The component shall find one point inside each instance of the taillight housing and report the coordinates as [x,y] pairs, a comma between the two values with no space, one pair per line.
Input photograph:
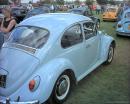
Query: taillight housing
[119,25]
[34,83]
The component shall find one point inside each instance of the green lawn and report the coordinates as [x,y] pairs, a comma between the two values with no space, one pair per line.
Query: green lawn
[108,84]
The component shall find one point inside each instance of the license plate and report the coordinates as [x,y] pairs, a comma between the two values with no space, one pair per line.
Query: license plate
[3,81]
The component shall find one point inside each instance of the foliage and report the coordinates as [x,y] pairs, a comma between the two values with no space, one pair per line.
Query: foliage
[3,2]
[102,1]
[77,2]
[60,2]
[89,2]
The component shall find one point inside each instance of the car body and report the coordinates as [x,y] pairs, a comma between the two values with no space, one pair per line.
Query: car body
[37,11]
[123,26]
[1,18]
[1,15]
[53,51]
[85,11]
[19,13]
[110,14]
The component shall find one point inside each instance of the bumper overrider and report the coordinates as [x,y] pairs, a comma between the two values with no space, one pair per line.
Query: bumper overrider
[8,101]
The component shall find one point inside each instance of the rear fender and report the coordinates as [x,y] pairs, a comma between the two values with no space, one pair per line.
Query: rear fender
[106,41]
[49,74]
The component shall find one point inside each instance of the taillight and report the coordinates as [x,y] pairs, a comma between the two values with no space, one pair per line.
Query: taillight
[119,25]
[34,83]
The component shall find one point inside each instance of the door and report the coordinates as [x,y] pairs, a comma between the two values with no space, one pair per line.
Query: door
[73,47]
[92,41]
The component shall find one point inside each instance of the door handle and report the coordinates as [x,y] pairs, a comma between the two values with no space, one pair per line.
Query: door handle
[88,45]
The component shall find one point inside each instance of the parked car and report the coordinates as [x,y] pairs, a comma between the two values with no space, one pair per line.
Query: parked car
[123,26]
[37,11]
[85,12]
[47,54]
[19,13]
[1,15]
[110,14]
[1,18]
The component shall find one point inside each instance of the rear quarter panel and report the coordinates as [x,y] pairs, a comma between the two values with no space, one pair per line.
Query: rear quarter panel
[106,41]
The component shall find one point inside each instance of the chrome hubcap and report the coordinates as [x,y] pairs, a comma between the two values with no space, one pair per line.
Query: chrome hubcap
[110,55]
[62,87]
[98,25]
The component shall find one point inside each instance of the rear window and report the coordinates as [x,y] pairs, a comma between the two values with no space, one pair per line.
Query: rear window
[29,36]
[76,11]
[127,15]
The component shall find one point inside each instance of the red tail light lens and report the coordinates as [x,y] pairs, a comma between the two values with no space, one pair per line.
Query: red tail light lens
[32,85]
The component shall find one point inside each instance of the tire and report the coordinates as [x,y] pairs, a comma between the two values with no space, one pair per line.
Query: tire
[98,24]
[61,89]
[110,54]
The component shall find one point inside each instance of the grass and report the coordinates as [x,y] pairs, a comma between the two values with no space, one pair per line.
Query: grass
[107,84]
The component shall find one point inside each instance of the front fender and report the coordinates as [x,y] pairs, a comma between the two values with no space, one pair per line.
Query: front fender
[106,41]
[49,74]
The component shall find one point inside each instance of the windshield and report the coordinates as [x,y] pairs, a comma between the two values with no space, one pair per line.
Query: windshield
[127,15]
[36,11]
[76,11]
[29,36]
[111,10]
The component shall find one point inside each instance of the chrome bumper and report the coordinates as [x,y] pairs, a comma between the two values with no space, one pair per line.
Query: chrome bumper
[12,102]
[122,33]
[109,19]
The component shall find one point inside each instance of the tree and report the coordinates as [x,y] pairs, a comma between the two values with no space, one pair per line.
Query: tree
[89,2]
[60,2]
[4,2]
[102,1]
[77,2]
[46,1]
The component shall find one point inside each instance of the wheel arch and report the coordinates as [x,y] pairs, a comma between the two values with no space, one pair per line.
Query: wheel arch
[52,72]
[114,43]
[72,75]
[106,41]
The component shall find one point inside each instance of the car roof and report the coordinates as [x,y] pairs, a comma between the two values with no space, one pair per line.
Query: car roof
[54,21]
[128,10]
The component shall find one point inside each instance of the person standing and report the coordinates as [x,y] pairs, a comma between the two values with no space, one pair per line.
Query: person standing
[8,23]
[98,9]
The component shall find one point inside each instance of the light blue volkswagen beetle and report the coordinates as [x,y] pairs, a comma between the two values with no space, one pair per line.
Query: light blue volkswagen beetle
[123,26]
[47,54]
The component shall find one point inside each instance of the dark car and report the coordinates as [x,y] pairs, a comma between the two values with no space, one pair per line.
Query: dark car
[37,11]
[1,18]
[86,12]
[19,13]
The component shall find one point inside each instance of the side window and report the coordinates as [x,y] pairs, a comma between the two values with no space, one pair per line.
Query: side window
[72,36]
[89,30]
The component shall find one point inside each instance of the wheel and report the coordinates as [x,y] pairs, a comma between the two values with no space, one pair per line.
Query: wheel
[110,54]
[61,89]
